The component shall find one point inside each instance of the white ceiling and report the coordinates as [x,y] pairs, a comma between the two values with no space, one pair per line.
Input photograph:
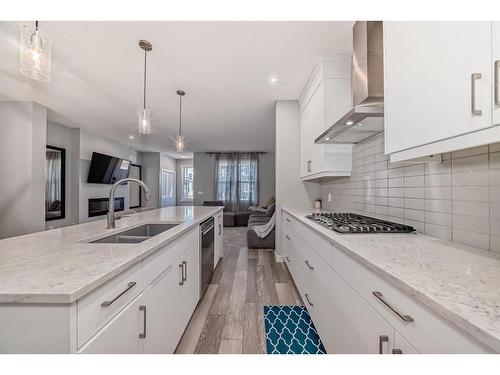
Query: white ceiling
[224,67]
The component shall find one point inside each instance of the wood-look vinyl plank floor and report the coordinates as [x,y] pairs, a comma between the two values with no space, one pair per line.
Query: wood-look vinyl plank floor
[230,318]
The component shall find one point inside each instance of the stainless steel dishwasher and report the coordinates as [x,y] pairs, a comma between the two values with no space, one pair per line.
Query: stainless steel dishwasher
[207,237]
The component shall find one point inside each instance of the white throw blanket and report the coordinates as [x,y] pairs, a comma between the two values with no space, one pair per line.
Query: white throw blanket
[256,208]
[263,230]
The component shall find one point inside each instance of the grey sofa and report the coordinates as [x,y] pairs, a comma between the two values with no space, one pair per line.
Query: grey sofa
[260,218]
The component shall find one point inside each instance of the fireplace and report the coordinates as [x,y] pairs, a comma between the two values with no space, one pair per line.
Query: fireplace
[99,206]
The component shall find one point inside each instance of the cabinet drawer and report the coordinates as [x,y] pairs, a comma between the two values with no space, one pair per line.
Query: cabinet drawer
[114,295]
[289,221]
[159,261]
[320,245]
[428,332]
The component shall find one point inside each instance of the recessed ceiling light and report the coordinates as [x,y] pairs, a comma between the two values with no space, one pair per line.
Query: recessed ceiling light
[349,122]
[131,137]
[327,138]
[273,80]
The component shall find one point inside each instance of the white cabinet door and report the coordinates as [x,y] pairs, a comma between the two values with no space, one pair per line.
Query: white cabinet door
[219,239]
[401,346]
[160,320]
[170,302]
[433,90]
[495,34]
[121,334]
[358,328]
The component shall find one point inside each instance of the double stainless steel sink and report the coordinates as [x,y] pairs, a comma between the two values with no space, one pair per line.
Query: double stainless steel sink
[137,234]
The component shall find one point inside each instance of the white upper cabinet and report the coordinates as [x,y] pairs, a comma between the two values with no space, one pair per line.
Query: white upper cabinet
[495,35]
[438,86]
[326,98]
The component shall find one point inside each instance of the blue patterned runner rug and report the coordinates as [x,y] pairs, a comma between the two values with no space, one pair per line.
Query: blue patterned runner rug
[290,330]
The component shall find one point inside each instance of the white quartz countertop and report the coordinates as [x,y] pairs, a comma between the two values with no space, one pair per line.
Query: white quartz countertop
[459,283]
[60,266]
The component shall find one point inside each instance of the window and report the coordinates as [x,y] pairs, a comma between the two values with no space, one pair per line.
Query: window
[236,180]
[187,183]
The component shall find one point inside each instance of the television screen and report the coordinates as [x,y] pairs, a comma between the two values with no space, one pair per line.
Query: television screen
[106,169]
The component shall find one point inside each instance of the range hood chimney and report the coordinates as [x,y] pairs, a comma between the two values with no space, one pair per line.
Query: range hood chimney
[366,118]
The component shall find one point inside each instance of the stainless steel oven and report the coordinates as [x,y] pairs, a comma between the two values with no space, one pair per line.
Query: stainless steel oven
[207,238]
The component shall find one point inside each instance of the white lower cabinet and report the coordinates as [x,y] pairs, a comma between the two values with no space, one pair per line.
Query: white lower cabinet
[155,321]
[401,346]
[339,294]
[219,238]
[120,336]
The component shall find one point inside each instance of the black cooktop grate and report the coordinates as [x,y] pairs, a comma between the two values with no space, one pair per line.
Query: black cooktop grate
[347,222]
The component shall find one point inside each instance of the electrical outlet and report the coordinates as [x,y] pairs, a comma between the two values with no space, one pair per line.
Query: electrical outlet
[329,197]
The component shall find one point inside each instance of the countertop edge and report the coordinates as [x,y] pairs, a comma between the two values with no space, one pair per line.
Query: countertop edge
[69,298]
[473,330]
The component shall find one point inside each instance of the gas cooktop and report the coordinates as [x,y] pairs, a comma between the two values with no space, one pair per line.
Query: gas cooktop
[347,222]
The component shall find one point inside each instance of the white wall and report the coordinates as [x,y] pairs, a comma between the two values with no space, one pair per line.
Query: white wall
[69,139]
[204,170]
[290,189]
[179,164]
[267,177]
[22,152]
[90,142]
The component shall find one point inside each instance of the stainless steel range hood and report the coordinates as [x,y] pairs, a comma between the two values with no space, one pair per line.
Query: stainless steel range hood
[366,118]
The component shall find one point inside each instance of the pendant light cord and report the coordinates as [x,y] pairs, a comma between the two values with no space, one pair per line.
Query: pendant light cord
[36,25]
[145,68]
[180,115]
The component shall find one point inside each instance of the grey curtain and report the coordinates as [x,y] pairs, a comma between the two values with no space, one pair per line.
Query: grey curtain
[237,180]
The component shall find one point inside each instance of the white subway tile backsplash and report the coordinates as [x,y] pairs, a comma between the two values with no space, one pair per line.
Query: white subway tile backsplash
[415,204]
[473,208]
[414,181]
[470,152]
[471,193]
[471,223]
[438,168]
[438,205]
[414,170]
[438,231]
[471,238]
[471,178]
[457,199]
[471,163]
[437,180]
[438,218]
[437,192]
[416,215]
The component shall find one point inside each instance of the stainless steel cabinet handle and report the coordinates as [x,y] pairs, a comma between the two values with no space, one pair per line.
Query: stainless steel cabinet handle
[404,318]
[287,259]
[496,78]
[220,229]
[185,269]
[287,237]
[397,351]
[309,265]
[143,334]
[381,340]
[287,219]
[181,266]
[130,285]
[474,110]
[308,300]
[309,169]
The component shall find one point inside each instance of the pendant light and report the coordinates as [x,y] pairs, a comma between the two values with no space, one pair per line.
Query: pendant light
[179,143]
[35,53]
[143,113]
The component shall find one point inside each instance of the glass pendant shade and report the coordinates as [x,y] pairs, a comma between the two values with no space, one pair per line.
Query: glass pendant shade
[144,121]
[179,144]
[35,54]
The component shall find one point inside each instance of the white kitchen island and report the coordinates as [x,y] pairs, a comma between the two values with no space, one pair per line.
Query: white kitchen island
[60,293]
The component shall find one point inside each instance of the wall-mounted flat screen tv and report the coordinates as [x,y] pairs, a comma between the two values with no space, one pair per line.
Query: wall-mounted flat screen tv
[106,169]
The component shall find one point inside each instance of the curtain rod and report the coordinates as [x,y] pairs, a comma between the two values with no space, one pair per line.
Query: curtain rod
[236,152]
